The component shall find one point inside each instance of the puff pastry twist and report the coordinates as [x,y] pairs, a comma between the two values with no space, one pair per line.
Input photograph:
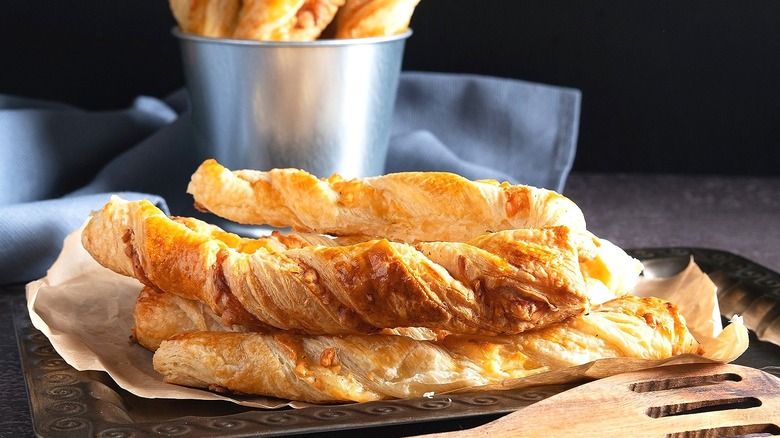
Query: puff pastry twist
[505,282]
[265,20]
[371,367]
[407,206]
[292,20]
[211,18]
[370,18]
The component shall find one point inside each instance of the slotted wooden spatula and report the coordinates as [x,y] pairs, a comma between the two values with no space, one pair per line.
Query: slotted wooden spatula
[692,400]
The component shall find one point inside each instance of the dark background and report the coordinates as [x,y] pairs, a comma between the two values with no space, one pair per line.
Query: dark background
[667,86]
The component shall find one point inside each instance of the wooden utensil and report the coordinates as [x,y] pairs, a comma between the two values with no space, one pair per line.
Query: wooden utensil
[691,400]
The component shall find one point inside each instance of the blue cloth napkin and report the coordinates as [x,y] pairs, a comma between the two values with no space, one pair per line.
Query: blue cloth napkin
[485,127]
[58,163]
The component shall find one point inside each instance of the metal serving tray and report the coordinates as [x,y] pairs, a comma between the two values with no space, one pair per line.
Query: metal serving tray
[68,403]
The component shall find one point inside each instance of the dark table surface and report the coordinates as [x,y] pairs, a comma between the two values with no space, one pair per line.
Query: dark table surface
[736,214]
[740,215]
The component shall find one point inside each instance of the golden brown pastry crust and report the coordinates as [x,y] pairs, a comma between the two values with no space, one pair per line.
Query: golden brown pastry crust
[370,367]
[346,289]
[211,18]
[160,315]
[371,18]
[265,20]
[292,20]
[314,17]
[409,207]
[285,20]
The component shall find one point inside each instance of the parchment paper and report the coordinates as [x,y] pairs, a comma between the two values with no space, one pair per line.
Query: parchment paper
[85,310]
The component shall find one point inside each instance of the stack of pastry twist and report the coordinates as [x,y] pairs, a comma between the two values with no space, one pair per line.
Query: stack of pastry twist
[293,20]
[390,286]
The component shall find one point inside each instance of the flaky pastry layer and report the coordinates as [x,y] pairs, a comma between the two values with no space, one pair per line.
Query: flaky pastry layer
[371,18]
[501,283]
[292,20]
[264,20]
[407,206]
[211,18]
[160,315]
[371,367]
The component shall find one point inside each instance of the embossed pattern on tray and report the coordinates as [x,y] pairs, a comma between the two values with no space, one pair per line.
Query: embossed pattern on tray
[68,403]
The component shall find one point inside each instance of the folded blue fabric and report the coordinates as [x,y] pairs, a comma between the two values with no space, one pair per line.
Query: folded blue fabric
[485,127]
[58,163]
